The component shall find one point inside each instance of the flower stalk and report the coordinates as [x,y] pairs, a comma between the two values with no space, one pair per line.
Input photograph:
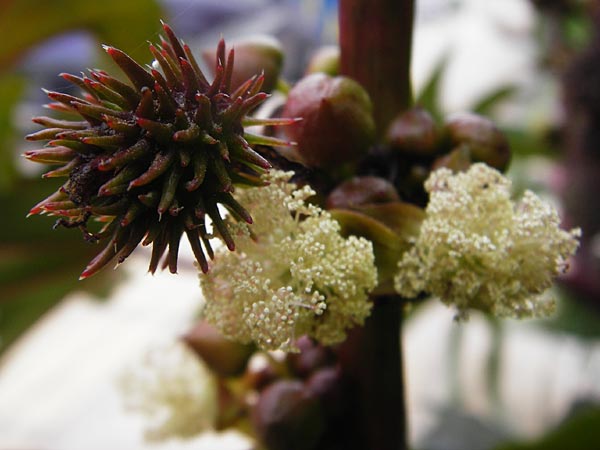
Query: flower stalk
[376,41]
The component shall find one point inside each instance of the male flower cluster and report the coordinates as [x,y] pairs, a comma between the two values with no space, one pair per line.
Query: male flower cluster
[292,273]
[479,250]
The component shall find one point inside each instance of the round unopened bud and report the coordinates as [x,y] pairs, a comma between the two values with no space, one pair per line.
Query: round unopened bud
[485,142]
[458,160]
[415,132]
[311,357]
[253,55]
[359,191]
[224,357]
[337,125]
[287,417]
[326,385]
[326,60]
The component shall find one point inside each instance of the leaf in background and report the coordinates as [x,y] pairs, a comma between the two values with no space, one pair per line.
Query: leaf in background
[429,97]
[125,24]
[487,103]
[580,431]
[38,265]
[10,92]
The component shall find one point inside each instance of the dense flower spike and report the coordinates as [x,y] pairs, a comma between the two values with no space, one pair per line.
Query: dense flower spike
[153,158]
[293,273]
[479,250]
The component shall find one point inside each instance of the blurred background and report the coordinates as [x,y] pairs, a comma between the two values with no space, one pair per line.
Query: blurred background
[531,65]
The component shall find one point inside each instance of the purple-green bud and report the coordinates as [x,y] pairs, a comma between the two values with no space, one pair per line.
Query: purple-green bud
[253,55]
[485,142]
[311,357]
[224,357]
[326,60]
[415,132]
[337,126]
[326,385]
[458,160]
[287,417]
[360,191]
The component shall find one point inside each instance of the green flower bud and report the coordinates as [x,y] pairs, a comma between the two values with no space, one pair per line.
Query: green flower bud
[287,417]
[485,142]
[415,132]
[337,126]
[223,356]
[326,60]
[360,191]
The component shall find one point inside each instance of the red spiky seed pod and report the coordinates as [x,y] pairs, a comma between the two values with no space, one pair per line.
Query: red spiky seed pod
[153,158]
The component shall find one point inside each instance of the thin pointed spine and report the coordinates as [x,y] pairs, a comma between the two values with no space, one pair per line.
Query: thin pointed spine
[52,155]
[63,171]
[199,163]
[194,240]
[159,165]
[51,122]
[127,92]
[145,108]
[174,41]
[169,189]
[118,183]
[136,73]
[126,156]
[220,225]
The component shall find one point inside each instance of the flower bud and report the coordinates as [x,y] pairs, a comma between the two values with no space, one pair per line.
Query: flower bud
[326,385]
[287,417]
[337,126]
[311,357]
[360,191]
[326,60]
[224,357]
[458,160]
[253,55]
[485,142]
[415,132]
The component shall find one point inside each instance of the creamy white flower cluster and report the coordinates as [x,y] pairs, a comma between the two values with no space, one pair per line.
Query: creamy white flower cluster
[292,272]
[479,250]
[174,390]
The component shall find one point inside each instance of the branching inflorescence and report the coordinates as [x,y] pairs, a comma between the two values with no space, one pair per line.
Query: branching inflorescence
[477,249]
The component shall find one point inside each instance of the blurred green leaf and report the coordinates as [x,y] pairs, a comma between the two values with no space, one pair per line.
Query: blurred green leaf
[125,24]
[581,431]
[487,103]
[38,265]
[11,87]
[574,317]
[429,97]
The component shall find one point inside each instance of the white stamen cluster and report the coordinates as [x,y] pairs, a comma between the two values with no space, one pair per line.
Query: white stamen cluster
[292,272]
[479,250]
[174,390]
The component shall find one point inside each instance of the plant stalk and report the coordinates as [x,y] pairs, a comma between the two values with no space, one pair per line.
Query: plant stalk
[371,360]
[375,42]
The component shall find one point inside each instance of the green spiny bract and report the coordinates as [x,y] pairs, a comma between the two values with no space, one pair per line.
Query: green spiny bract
[153,158]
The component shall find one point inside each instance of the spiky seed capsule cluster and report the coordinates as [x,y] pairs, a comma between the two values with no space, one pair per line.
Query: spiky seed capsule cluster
[152,159]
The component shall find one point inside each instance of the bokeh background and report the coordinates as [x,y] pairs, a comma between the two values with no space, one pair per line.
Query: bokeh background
[532,65]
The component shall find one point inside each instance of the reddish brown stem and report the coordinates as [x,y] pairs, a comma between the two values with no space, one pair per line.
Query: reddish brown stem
[371,360]
[375,40]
